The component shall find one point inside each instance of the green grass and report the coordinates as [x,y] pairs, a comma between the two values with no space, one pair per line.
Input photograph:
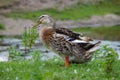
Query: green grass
[27,70]
[106,33]
[2,26]
[54,69]
[80,11]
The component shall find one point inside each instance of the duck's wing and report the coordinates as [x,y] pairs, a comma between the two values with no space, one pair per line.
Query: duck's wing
[72,34]
[79,52]
[83,50]
[84,44]
[67,32]
[65,46]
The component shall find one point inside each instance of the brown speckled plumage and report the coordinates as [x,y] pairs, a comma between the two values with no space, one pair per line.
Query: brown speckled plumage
[58,39]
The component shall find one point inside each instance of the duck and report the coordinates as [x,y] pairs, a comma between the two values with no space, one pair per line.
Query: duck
[71,46]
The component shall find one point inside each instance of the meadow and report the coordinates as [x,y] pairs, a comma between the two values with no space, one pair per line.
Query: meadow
[104,67]
[76,12]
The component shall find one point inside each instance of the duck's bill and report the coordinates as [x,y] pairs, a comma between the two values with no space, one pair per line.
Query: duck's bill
[36,24]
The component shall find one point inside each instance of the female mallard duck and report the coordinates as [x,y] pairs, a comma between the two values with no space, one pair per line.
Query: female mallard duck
[72,47]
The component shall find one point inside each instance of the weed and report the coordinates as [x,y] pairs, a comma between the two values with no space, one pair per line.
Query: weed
[28,39]
[29,36]
[109,57]
[14,54]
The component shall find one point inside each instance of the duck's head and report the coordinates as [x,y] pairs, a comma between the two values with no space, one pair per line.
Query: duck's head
[45,20]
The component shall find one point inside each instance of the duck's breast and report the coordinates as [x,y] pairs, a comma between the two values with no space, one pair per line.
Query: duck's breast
[46,34]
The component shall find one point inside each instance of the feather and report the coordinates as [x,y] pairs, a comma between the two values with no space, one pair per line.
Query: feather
[78,41]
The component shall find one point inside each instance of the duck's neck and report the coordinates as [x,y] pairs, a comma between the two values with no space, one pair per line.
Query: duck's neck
[54,25]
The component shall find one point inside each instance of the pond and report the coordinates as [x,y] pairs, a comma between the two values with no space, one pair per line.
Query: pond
[7,42]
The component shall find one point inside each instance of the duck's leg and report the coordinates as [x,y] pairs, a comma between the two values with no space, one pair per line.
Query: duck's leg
[67,61]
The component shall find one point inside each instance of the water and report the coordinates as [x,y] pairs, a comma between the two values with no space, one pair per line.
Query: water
[7,42]
[114,44]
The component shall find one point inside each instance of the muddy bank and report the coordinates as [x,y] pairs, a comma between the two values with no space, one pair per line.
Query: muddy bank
[15,27]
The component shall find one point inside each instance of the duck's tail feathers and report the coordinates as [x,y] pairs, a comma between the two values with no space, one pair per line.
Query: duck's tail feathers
[94,48]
